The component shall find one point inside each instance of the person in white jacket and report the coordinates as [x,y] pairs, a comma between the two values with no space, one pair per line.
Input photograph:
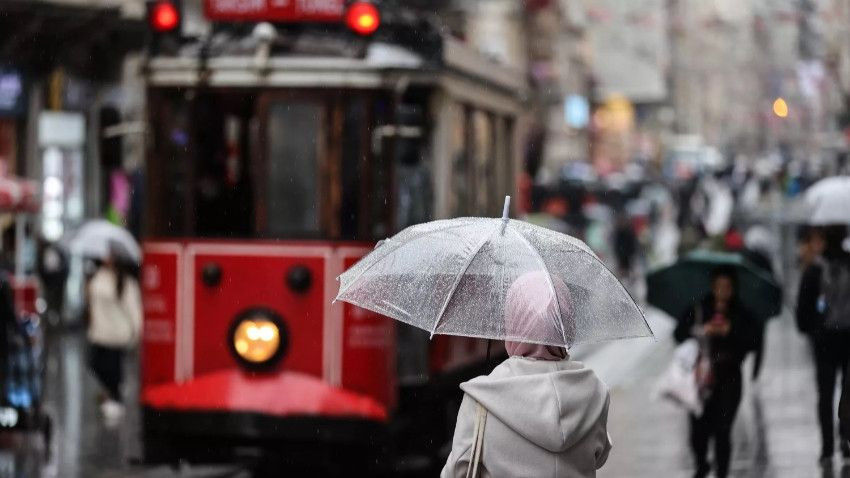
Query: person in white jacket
[115,319]
[544,415]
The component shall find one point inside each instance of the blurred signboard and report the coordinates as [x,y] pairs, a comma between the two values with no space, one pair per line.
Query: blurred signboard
[630,45]
[12,94]
[275,10]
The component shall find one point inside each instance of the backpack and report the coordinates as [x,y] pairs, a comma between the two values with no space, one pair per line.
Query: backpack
[834,300]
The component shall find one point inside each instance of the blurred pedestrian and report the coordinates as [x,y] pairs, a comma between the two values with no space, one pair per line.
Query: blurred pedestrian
[809,248]
[115,317]
[538,413]
[823,313]
[52,267]
[726,332]
[844,411]
[625,245]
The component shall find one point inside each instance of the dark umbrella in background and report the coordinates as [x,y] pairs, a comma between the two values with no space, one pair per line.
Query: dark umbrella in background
[677,287]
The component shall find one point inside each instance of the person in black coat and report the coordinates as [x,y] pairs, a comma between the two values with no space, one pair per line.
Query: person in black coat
[727,332]
[844,412]
[8,325]
[830,349]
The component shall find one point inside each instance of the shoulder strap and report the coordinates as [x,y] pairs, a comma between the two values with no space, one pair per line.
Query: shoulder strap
[477,441]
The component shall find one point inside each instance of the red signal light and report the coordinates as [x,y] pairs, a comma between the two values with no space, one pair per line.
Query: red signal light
[363,18]
[164,16]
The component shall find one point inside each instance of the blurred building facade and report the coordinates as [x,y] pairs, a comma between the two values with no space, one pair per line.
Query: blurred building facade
[68,62]
[560,73]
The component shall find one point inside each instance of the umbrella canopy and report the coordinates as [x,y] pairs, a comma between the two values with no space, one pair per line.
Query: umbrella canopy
[469,276]
[829,198]
[100,238]
[677,287]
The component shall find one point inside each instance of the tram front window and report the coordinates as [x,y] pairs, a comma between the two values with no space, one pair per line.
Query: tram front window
[293,169]
[278,164]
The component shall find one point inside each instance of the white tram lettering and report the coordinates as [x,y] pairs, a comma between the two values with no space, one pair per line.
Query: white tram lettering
[239,6]
[322,7]
[368,337]
[158,331]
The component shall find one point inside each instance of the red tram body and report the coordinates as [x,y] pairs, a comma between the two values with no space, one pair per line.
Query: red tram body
[266,181]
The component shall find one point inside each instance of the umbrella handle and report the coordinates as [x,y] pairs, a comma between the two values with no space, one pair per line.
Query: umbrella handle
[505,210]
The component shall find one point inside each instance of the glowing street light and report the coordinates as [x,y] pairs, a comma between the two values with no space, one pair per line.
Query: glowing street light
[780,108]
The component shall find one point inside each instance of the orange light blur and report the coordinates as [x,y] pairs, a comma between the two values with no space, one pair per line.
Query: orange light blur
[780,108]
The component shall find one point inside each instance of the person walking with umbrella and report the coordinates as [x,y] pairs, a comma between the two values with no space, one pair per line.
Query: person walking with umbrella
[538,290]
[727,331]
[545,414]
[114,324]
[823,313]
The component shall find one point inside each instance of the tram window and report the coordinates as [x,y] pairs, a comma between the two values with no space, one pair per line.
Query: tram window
[412,170]
[223,205]
[506,162]
[482,164]
[169,172]
[293,133]
[352,156]
[460,163]
[379,177]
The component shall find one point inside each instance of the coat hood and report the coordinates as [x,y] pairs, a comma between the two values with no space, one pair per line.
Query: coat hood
[552,404]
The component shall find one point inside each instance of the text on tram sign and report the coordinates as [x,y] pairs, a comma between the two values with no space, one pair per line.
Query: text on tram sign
[275,10]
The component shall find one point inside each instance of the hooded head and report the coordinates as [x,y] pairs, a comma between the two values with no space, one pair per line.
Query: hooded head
[539,305]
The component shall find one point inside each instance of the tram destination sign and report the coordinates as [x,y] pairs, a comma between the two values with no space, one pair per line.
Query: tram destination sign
[275,10]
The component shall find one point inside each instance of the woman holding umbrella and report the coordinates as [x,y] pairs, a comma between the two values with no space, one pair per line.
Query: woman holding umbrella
[545,415]
[113,302]
[538,413]
[114,324]
[727,331]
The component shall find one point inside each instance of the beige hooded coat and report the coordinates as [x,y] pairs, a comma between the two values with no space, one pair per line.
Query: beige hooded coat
[544,419]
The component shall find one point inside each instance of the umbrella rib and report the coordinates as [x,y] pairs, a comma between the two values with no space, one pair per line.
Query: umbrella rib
[458,278]
[418,236]
[549,279]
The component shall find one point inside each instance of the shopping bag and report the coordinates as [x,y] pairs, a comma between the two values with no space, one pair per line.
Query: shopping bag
[679,382]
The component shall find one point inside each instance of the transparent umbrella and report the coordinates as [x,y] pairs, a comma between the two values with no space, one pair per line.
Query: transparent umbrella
[460,276]
[828,199]
[99,238]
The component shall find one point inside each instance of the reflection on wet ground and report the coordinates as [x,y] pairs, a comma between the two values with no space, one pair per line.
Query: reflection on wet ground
[776,431]
[82,446]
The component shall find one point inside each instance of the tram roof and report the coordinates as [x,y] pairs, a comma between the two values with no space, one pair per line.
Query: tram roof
[382,65]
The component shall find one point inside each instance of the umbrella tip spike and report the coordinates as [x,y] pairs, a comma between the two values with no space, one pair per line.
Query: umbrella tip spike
[505,211]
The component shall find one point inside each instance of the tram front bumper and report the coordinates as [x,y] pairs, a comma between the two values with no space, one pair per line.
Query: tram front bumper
[229,415]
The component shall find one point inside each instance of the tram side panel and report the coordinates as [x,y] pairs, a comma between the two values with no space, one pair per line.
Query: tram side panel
[368,352]
[160,283]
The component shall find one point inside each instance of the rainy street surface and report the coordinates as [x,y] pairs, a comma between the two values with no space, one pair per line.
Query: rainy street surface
[775,433]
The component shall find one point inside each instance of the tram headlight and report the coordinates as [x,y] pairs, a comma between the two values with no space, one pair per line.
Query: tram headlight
[258,339]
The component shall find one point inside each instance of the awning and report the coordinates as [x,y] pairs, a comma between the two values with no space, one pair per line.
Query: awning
[18,195]
[88,41]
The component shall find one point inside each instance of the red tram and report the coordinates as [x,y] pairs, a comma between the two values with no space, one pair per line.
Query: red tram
[277,154]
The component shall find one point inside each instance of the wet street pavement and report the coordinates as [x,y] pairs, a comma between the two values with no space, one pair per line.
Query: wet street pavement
[775,433]
[82,446]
